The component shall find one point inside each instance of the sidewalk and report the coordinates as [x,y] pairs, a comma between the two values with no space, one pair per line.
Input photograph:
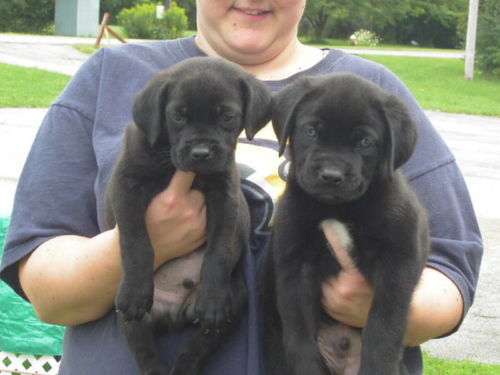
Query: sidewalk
[473,139]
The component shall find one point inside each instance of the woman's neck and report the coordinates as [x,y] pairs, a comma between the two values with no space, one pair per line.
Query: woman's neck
[290,61]
[294,58]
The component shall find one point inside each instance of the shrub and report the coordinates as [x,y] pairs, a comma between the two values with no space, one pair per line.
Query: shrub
[488,37]
[365,38]
[175,22]
[141,22]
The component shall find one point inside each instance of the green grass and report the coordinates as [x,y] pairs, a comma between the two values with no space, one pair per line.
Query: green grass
[439,84]
[89,49]
[436,366]
[29,87]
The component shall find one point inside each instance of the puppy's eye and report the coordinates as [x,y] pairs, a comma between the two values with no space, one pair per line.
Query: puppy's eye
[228,116]
[178,117]
[310,131]
[365,142]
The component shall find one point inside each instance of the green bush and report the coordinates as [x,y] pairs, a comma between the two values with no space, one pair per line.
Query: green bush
[26,16]
[488,37]
[141,22]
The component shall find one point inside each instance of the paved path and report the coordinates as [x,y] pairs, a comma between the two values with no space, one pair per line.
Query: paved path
[473,139]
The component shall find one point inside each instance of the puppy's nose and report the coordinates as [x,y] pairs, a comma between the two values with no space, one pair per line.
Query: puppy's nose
[331,176]
[201,153]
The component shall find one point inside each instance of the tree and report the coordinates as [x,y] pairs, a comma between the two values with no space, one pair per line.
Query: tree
[434,23]
[319,13]
[347,16]
[190,7]
[113,7]
[488,42]
[26,16]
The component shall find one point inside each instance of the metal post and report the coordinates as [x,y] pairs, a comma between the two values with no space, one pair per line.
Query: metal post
[76,17]
[470,44]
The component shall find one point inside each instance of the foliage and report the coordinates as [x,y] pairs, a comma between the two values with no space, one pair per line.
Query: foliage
[113,7]
[433,23]
[26,16]
[436,23]
[365,38]
[488,37]
[342,17]
[140,22]
[175,22]
[190,7]
[319,13]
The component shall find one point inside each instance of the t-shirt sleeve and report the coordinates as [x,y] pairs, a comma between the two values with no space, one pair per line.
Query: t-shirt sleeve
[55,193]
[457,246]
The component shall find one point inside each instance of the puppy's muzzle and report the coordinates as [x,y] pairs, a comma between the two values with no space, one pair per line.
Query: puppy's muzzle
[331,182]
[205,156]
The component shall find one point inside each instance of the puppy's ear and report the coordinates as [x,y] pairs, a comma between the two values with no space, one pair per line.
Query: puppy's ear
[257,105]
[400,134]
[285,106]
[149,107]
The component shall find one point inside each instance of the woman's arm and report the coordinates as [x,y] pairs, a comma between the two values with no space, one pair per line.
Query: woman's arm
[71,280]
[437,306]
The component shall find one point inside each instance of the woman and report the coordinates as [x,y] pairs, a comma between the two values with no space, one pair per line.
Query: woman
[61,259]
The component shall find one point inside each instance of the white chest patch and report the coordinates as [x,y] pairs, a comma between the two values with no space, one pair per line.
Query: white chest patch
[339,240]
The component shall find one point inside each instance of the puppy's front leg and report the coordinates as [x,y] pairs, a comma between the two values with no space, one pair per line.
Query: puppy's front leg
[228,227]
[298,298]
[298,291]
[129,201]
[394,281]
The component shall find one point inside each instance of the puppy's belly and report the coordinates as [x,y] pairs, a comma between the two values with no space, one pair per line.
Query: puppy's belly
[340,347]
[176,283]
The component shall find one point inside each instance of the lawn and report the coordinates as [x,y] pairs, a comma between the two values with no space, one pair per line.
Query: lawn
[440,84]
[437,84]
[436,366]
[28,87]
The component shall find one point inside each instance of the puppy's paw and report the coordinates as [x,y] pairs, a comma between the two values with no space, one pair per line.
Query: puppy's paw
[214,309]
[135,300]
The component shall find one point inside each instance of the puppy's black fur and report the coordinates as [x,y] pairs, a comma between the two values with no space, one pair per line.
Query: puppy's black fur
[188,118]
[348,137]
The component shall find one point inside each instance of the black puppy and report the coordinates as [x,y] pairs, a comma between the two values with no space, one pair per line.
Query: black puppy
[188,118]
[348,137]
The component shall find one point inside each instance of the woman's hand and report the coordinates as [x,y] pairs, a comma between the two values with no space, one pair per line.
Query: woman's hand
[176,219]
[436,309]
[71,280]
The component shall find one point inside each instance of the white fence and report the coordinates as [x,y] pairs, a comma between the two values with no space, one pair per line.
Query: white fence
[28,364]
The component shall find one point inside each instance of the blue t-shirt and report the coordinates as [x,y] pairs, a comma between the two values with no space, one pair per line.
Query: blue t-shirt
[61,191]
